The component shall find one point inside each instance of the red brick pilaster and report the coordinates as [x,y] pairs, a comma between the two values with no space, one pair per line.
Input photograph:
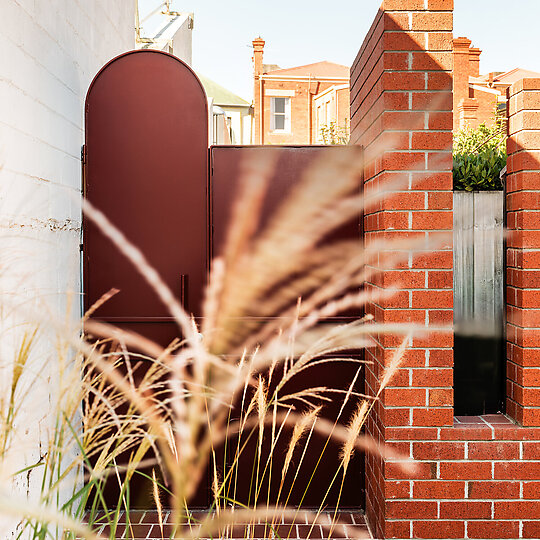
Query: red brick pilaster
[258,104]
[474,61]
[467,113]
[401,112]
[462,71]
[523,256]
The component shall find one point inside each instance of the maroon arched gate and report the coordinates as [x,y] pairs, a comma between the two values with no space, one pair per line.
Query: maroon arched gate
[146,166]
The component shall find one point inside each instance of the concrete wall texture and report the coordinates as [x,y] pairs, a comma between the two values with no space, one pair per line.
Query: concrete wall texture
[478,476]
[49,54]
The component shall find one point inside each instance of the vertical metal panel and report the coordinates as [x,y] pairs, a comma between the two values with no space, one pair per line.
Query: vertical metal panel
[478,302]
[488,260]
[292,162]
[478,262]
[463,257]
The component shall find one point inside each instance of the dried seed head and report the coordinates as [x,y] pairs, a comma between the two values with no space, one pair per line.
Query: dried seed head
[355,425]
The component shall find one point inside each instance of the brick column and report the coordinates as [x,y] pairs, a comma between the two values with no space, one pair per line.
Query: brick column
[462,70]
[474,61]
[258,104]
[523,255]
[401,112]
[467,113]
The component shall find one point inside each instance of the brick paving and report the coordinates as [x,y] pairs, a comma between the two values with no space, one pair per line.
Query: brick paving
[144,525]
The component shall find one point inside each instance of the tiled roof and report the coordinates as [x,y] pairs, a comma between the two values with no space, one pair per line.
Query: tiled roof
[506,77]
[221,95]
[514,75]
[270,67]
[318,70]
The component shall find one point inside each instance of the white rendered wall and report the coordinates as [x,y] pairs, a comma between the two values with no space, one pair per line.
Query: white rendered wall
[50,51]
[183,41]
[175,36]
[236,124]
[246,129]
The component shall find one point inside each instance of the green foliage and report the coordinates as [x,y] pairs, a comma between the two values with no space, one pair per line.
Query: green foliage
[479,157]
[333,134]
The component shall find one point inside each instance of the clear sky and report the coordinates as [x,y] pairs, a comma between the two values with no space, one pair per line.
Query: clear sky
[300,32]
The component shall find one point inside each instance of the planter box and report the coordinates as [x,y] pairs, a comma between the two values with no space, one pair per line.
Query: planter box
[478,302]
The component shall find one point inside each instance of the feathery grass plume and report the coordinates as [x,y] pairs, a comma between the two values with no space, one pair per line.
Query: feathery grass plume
[356,423]
[211,296]
[45,515]
[355,426]
[157,500]
[326,310]
[299,429]
[396,361]
[261,401]
[278,252]
[8,410]
[196,394]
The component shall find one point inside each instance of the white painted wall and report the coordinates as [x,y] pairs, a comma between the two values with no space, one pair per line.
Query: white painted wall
[183,40]
[49,52]
[240,123]
[174,35]
[247,122]
[235,117]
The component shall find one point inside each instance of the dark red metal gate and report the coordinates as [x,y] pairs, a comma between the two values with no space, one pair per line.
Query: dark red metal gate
[291,163]
[147,170]
[146,167]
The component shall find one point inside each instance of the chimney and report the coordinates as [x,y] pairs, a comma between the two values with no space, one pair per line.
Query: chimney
[258,50]
[468,113]
[258,90]
[474,61]
[460,74]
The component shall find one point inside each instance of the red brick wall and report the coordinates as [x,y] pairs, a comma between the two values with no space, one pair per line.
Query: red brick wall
[344,100]
[303,119]
[401,110]
[462,71]
[472,107]
[487,105]
[523,257]
[478,477]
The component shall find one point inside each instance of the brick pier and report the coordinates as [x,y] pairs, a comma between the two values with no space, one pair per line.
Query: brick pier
[479,477]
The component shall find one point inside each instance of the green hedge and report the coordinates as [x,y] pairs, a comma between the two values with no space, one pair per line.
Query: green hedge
[479,157]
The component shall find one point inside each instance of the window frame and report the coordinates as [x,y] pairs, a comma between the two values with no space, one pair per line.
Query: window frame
[286,115]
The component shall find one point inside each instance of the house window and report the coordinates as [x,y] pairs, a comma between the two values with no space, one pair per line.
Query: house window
[230,129]
[281,114]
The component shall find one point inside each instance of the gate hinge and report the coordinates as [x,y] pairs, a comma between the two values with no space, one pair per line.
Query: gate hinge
[83,153]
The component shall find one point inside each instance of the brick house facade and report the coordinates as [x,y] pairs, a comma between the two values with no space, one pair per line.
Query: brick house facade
[476,97]
[291,105]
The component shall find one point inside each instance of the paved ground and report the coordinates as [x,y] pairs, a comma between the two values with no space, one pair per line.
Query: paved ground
[145,526]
